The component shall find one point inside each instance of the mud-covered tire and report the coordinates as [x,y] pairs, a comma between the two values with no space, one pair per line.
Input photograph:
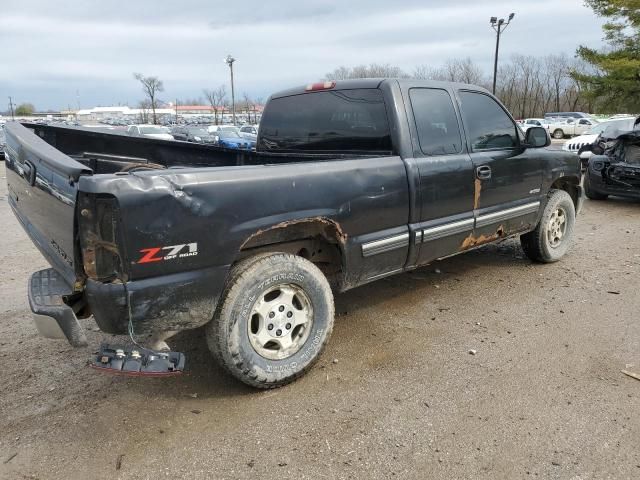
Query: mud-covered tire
[558,134]
[229,331]
[588,190]
[537,244]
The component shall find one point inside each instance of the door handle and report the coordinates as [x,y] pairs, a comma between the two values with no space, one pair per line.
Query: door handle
[483,172]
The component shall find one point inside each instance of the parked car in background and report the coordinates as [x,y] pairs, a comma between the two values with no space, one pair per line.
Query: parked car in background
[527,123]
[252,129]
[551,115]
[188,133]
[221,128]
[614,166]
[229,138]
[577,145]
[150,131]
[571,127]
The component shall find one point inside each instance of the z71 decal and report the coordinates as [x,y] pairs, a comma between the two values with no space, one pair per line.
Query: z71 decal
[158,254]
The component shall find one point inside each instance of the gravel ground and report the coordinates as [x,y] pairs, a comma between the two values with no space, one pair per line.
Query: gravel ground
[395,395]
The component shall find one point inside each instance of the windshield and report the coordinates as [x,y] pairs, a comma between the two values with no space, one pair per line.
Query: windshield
[151,130]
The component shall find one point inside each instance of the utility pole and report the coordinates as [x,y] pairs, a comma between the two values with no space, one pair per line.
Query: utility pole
[499,26]
[229,61]
[11,108]
[176,111]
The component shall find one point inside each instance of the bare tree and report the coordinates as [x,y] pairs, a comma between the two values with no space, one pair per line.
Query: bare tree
[427,72]
[557,67]
[258,101]
[151,86]
[249,105]
[528,86]
[144,106]
[373,70]
[217,99]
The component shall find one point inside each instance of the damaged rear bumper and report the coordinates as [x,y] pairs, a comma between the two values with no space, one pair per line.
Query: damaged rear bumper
[170,303]
[52,316]
[173,302]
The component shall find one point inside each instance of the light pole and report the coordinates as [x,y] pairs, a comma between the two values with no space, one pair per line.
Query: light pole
[11,107]
[229,61]
[499,26]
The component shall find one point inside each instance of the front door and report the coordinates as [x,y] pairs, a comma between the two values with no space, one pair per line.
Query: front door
[508,177]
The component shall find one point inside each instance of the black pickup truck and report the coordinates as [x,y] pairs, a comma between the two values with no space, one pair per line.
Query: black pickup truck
[352,181]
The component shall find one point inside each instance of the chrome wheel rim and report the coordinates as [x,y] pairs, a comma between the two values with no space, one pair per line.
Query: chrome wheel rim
[557,227]
[280,322]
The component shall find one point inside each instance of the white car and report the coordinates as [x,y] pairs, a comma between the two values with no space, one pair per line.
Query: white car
[575,144]
[527,123]
[252,129]
[571,127]
[149,131]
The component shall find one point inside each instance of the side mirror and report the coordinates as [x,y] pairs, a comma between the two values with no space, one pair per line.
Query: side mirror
[537,137]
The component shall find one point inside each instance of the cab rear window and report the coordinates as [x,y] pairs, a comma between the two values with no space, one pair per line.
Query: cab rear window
[327,121]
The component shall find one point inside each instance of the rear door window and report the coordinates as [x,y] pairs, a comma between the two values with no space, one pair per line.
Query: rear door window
[327,121]
[487,125]
[436,122]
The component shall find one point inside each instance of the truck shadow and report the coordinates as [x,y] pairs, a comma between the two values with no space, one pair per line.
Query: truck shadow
[206,377]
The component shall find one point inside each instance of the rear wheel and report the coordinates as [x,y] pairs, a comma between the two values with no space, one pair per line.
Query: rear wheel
[588,190]
[558,134]
[275,317]
[551,238]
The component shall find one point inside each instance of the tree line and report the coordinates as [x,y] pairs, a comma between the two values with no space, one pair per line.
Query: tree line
[597,81]
[528,86]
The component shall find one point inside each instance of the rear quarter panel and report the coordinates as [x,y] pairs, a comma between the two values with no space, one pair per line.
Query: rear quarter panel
[220,208]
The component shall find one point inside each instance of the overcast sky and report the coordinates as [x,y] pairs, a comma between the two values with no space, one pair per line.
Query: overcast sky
[53,50]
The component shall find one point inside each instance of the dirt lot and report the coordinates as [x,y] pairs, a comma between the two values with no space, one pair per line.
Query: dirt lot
[396,394]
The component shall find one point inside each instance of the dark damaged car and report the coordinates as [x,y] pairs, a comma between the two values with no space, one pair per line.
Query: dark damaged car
[614,167]
[351,182]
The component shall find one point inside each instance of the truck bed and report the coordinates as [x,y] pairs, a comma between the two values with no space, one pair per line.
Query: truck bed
[107,152]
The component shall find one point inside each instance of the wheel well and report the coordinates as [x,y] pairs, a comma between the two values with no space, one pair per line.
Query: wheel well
[569,185]
[319,240]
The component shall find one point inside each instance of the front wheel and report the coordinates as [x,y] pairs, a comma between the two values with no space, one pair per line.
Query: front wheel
[558,134]
[551,238]
[273,321]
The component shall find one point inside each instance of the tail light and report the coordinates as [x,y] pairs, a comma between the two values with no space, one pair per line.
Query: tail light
[98,222]
[320,86]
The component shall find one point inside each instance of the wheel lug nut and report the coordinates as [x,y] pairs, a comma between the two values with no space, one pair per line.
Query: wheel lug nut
[270,326]
[281,308]
[272,314]
[289,314]
[278,332]
[288,326]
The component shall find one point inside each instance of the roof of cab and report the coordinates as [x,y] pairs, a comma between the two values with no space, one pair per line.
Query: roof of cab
[404,83]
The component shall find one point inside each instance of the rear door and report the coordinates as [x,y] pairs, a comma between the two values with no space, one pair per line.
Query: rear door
[508,177]
[445,193]
[42,184]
